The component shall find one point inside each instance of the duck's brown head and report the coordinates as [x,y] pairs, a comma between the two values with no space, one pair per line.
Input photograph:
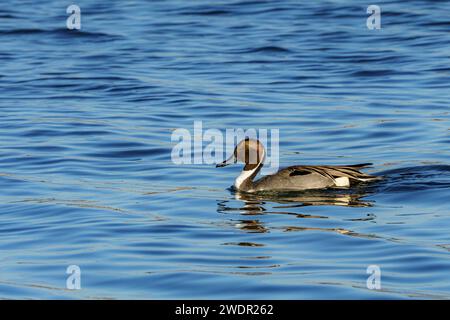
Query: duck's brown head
[249,151]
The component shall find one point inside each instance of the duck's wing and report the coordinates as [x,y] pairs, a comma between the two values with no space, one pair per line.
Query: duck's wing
[333,172]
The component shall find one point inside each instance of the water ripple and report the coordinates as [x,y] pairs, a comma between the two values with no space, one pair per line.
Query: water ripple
[85,153]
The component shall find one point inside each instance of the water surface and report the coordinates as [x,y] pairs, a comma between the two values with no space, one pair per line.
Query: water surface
[86,175]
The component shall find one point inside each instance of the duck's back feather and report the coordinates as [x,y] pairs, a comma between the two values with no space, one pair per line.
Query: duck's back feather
[313,177]
[333,172]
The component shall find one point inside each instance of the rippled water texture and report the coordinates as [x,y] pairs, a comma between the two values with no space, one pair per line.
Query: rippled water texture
[86,175]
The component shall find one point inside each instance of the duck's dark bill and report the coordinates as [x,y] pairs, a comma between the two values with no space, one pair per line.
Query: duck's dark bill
[222,164]
[230,160]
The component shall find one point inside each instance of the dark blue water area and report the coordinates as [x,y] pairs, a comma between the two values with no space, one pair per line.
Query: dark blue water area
[87,178]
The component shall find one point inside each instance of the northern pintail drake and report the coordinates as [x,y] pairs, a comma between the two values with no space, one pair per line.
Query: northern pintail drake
[295,178]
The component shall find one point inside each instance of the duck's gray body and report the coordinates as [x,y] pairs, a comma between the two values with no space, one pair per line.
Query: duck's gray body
[298,178]
[294,178]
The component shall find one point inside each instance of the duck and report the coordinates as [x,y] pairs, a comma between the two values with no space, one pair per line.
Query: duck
[252,153]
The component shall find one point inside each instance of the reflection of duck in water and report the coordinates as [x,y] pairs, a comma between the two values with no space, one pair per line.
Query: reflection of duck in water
[294,178]
[308,198]
[258,205]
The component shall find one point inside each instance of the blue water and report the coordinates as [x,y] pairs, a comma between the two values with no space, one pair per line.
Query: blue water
[86,176]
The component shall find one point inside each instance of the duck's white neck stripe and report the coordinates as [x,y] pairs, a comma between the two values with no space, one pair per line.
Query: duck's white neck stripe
[245,174]
[242,177]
